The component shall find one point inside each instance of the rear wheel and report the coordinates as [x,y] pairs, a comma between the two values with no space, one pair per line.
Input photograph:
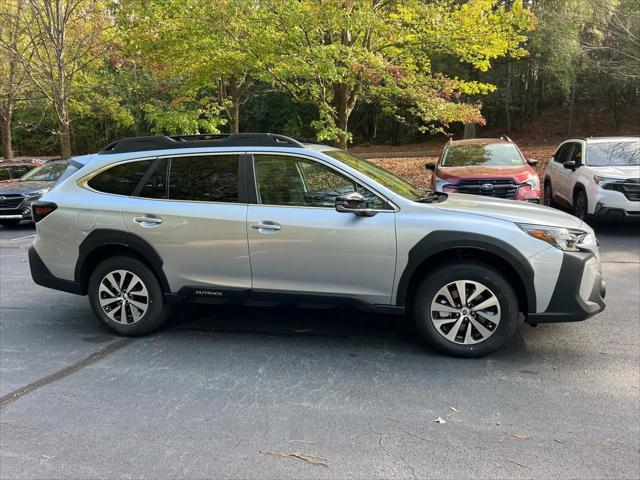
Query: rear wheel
[580,204]
[126,296]
[466,309]
[10,223]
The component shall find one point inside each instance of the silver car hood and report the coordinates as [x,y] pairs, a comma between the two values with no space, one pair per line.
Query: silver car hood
[509,210]
[25,187]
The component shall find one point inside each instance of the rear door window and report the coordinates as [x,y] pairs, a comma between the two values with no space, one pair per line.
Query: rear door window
[204,178]
[4,174]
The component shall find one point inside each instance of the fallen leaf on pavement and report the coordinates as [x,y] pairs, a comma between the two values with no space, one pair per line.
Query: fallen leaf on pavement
[454,409]
[305,457]
[440,420]
[516,436]
[301,442]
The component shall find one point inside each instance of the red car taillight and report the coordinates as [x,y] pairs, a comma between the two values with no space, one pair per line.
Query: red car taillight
[42,209]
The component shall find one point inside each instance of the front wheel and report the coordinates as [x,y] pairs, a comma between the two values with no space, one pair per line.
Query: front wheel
[548,195]
[580,204]
[466,309]
[126,296]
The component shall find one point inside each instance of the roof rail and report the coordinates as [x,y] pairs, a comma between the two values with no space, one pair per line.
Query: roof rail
[164,142]
[504,137]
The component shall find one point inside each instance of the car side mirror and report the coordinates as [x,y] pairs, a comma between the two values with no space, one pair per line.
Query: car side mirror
[430,166]
[354,203]
[532,161]
[570,165]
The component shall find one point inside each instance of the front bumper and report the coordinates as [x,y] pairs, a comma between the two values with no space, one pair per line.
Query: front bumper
[23,212]
[609,203]
[579,292]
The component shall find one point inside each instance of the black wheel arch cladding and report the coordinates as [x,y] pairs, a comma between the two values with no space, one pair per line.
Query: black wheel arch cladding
[121,241]
[441,241]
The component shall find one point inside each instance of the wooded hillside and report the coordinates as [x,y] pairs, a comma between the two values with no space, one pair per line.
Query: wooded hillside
[77,74]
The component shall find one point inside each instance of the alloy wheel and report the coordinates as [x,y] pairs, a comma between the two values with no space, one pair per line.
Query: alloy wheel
[465,312]
[123,297]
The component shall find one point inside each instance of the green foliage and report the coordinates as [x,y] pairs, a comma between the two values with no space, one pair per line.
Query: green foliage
[333,54]
[184,115]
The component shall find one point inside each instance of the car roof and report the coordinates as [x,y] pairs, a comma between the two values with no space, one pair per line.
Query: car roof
[18,163]
[479,141]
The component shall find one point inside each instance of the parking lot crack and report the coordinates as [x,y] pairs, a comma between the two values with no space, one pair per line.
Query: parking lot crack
[65,372]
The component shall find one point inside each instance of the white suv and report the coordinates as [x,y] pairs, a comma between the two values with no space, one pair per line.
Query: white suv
[595,176]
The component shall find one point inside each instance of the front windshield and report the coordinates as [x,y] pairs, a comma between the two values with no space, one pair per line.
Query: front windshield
[380,175]
[613,154]
[49,172]
[490,154]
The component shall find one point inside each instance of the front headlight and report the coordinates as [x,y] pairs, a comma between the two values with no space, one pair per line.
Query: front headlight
[533,181]
[35,195]
[439,184]
[602,181]
[566,239]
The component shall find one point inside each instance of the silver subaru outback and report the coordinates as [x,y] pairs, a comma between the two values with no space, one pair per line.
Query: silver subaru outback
[153,221]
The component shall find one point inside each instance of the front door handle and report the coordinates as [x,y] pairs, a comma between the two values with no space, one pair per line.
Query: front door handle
[147,221]
[266,225]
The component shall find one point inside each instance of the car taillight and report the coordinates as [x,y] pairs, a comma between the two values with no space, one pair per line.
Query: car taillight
[42,209]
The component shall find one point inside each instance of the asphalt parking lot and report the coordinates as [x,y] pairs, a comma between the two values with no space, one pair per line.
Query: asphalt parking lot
[232,392]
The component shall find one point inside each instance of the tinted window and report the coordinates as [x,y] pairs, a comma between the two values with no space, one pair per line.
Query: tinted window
[156,185]
[211,178]
[491,154]
[613,154]
[4,174]
[20,171]
[121,179]
[283,180]
[562,155]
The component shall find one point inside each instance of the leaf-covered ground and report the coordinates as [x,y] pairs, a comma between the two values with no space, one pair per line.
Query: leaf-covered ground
[413,168]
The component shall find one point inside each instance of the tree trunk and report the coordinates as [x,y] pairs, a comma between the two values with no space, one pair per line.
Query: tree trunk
[572,103]
[507,97]
[5,134]
[64,125]
[469,130]
[234,111]
[344,103]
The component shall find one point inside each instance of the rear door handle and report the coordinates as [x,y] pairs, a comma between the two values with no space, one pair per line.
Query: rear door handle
[266,225]
[147,221]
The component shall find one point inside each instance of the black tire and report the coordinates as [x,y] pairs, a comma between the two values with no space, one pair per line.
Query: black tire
[473,271]
[156,311]
[10,223]
[548,195]
[580,204]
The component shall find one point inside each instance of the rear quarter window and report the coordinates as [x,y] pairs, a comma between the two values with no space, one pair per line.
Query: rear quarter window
[120,179]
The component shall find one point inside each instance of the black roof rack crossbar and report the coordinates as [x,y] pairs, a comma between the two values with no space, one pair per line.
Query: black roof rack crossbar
[163,142]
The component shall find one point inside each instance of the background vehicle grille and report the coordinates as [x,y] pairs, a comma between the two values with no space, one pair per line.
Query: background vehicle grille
[10,201]
[630,188]
[499,188]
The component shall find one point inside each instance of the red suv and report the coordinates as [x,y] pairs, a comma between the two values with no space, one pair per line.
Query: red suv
[493,167]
